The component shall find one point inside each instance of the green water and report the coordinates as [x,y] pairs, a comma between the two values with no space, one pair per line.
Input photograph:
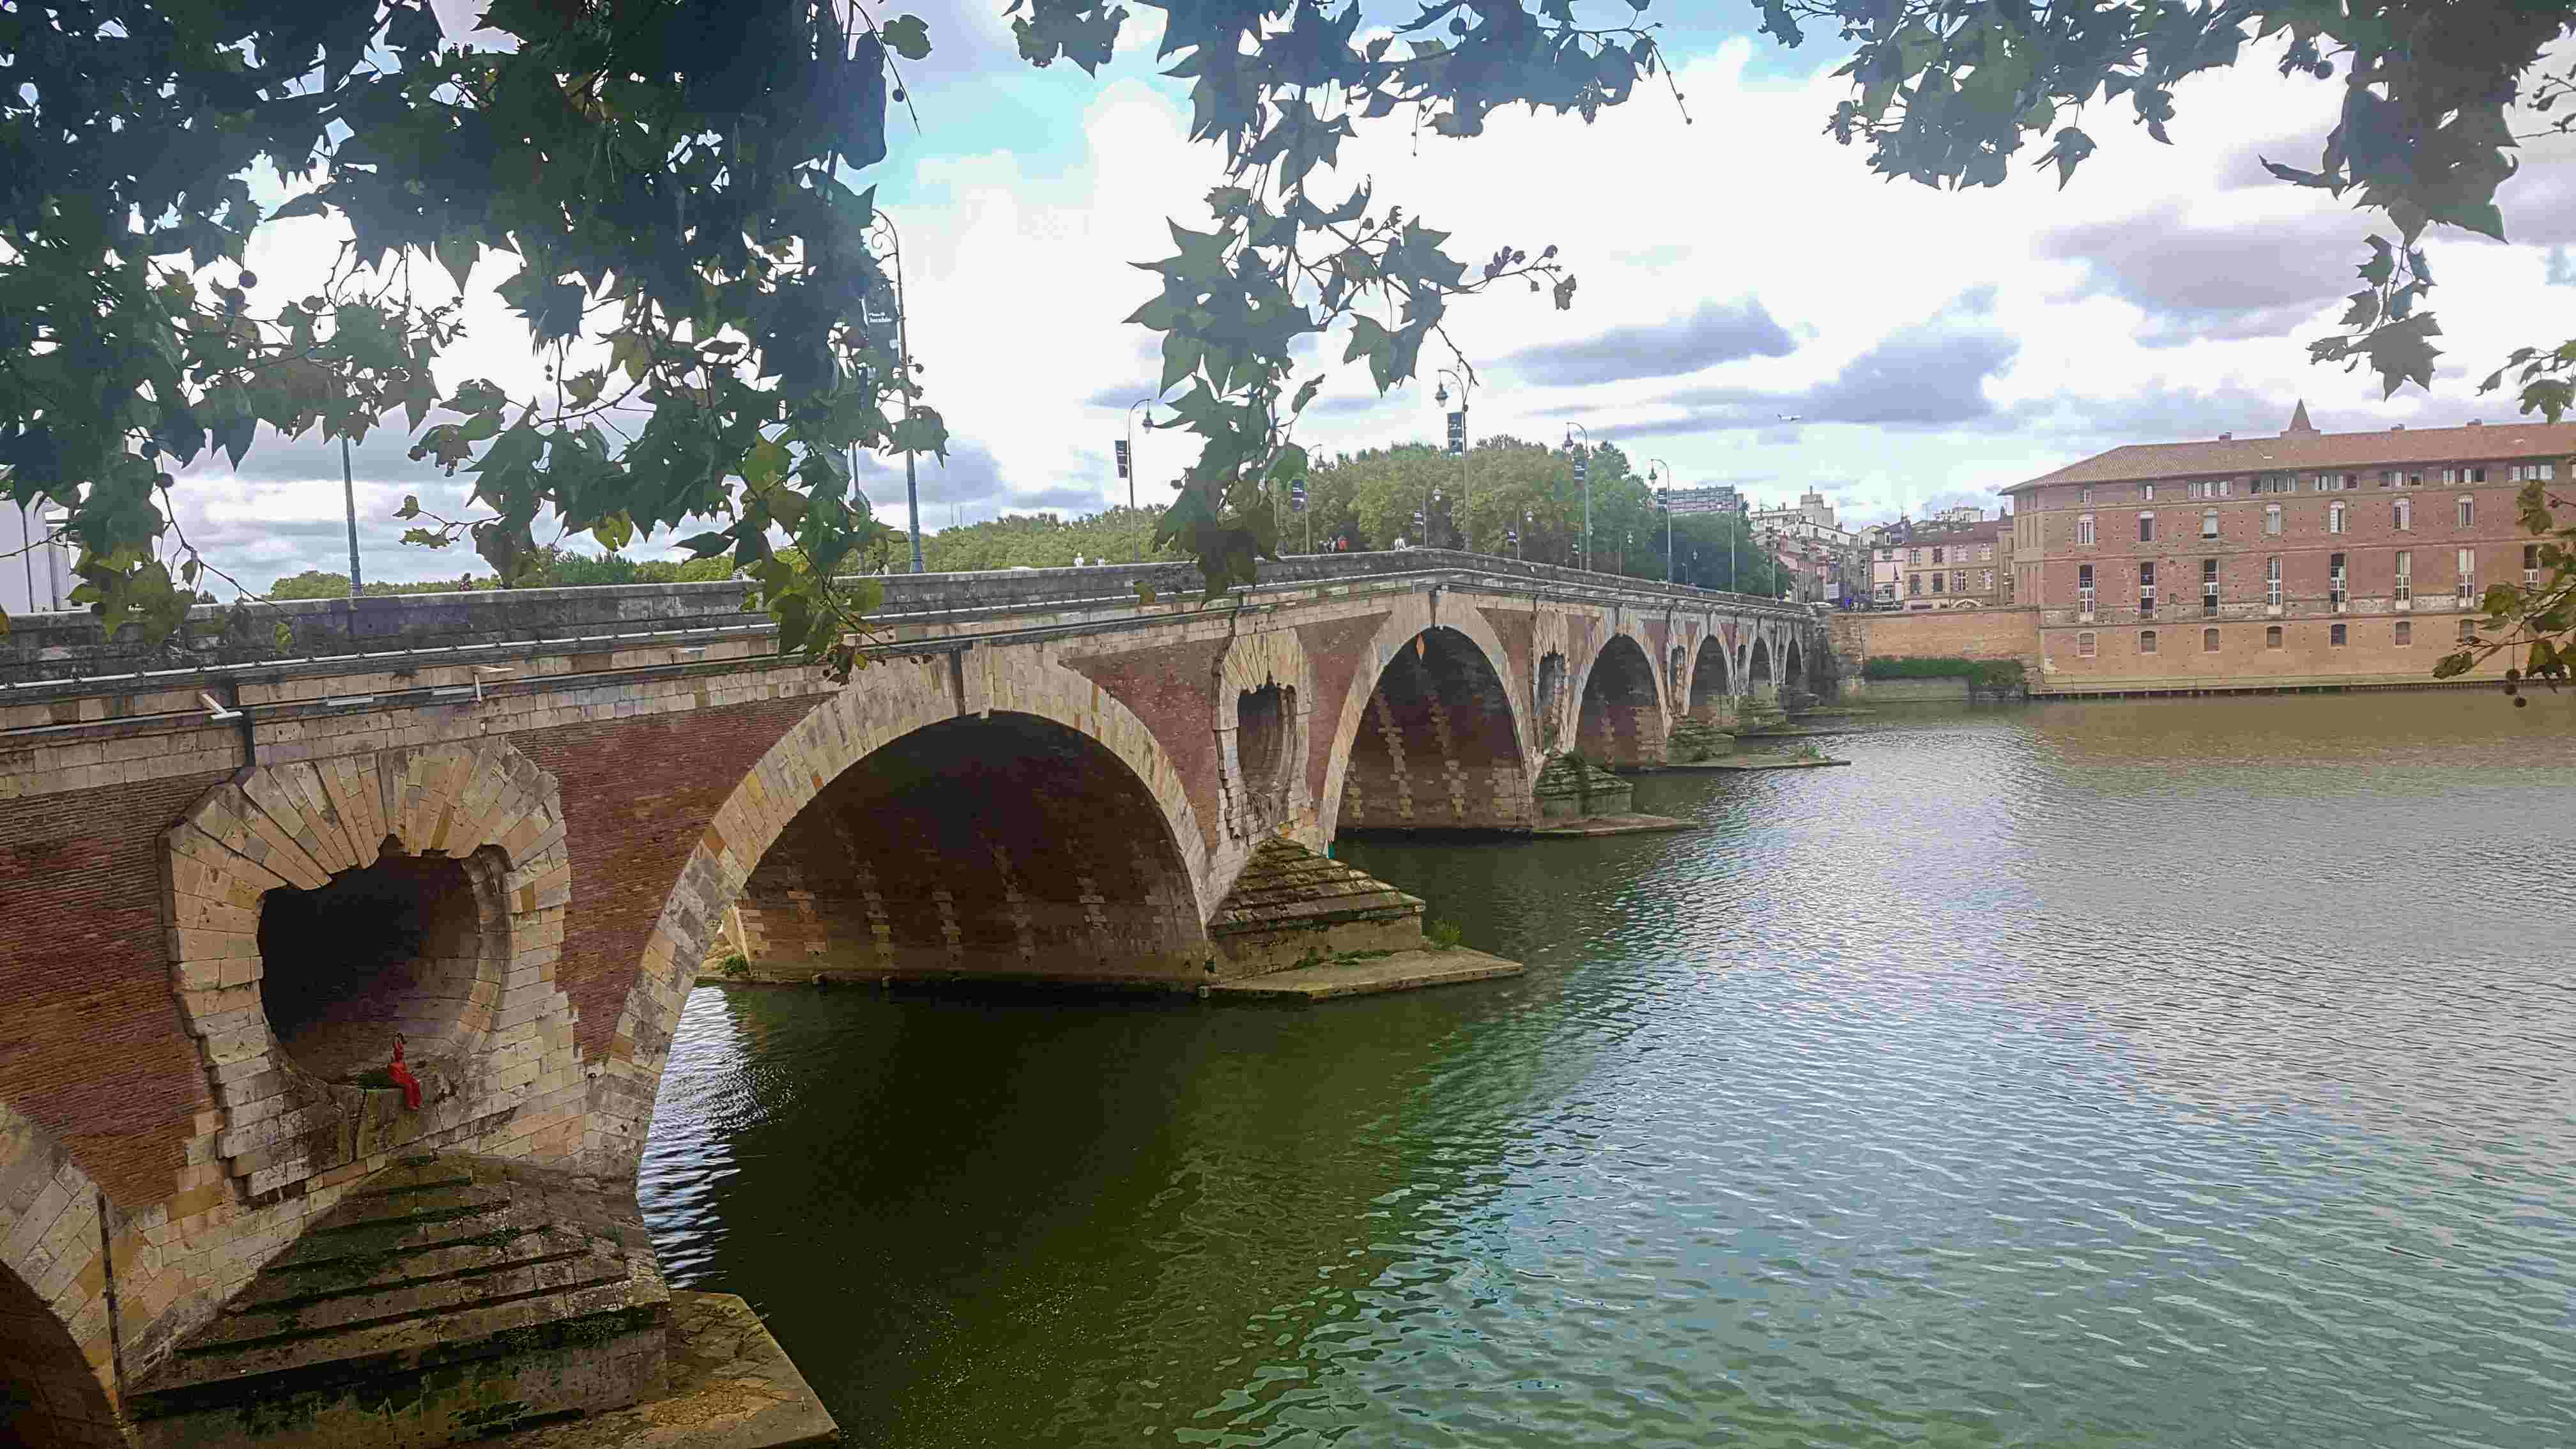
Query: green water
[2182,1072]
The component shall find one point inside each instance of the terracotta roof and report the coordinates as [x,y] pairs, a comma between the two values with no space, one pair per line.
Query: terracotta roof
[2385,448]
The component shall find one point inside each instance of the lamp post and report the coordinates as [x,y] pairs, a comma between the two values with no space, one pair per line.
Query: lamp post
[1583,469]
[1658,468]
[1147,404]
[1466,387]
[903,355]
[348,496]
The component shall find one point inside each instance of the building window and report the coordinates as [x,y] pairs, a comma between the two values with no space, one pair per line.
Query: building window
[2146,641]
[2468,631]
[2334,518]
[2084,531]
[2534,472]
[2209,586]
[2405,632]
[2405,515]
[1936,555]
[2008,587]
[2208,641]
[1937,581]
[2083,495]
[2146,528]
[2084,645]
[2084,589]
[2404,589]
[2468,510]
[2209,523]
[2531,565]
[2272,518]
[2272,637]
[2334,582]
[1985,581]
[2466,590]
[2146,590]
[2335,635]
[2388,479]
[1985,553]
[1913,583]
[2272,582]
[1958,581]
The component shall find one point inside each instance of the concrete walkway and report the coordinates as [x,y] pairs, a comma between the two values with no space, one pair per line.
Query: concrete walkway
[731,1387]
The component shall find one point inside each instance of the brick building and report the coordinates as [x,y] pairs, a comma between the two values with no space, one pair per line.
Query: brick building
[2309,556]
[1958,559]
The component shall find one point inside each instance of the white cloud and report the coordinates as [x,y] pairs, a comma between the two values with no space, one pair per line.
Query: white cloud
[1018,270]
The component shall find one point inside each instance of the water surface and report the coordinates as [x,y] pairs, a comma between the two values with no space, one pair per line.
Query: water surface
[2175,1072]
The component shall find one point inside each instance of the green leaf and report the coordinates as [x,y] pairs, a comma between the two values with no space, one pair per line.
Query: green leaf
[909,36]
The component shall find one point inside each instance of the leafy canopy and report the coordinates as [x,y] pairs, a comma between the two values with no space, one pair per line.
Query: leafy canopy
[674,181]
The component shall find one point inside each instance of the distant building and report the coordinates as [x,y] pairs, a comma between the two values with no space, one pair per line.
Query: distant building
[2306,556]
[1716,498]
[1819,560]
[35,575]
[1956,559]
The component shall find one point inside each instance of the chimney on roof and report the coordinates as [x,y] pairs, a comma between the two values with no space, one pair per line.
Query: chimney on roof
[2299,424]
[2227,437]
[2401,427]
[2477,422]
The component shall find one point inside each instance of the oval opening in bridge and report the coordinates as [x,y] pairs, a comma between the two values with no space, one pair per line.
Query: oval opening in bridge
[1261,735]
[386,949]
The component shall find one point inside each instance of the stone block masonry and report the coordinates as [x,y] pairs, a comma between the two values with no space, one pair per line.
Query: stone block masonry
[509,827]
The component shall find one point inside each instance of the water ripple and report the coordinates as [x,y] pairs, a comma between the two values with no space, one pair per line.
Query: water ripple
[2171,1073]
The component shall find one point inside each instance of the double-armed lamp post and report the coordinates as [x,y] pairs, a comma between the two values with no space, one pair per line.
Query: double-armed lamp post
[1659,469]
[903,362]
[1583,475]
[1127,460]
[1457,444]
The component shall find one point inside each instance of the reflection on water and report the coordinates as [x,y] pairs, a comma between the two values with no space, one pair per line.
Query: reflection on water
[2178,1072]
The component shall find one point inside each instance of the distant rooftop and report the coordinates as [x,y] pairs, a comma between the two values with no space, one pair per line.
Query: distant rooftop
[2303,448]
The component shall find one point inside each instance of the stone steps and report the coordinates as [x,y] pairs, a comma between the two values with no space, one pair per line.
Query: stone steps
[447,1298]
[1291,905]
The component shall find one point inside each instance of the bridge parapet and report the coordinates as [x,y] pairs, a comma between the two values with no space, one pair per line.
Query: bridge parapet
[47,655]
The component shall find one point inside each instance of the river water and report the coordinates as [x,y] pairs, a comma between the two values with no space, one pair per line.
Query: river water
[2173,1072]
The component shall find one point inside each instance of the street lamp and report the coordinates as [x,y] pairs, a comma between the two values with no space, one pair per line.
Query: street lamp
[1663,500]
[903,356]
[1583,475]
[1458,433]
[1147,404]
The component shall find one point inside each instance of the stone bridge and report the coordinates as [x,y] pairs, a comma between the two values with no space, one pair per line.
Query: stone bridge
[512,826]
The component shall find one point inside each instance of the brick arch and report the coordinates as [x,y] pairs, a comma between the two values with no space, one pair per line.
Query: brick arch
[1710,685]
[1411,617]
[302,826]
[55,1347]
[1761,670]
[1253,662]
[1624,628]
[888,701]
[1621,717]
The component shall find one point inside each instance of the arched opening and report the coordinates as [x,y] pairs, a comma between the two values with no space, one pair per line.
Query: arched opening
[1621,722]
[1711,691]
[1793,676]
[48,1394]
[1551,703]
[1675,672]
[1436,748]
[1261,737]
[1001,846]
[392,949]
[1757,670]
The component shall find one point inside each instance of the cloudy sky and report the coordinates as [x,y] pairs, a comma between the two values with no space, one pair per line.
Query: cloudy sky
[1735,266]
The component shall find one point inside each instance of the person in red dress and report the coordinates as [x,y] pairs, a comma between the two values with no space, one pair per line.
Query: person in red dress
[403,1078]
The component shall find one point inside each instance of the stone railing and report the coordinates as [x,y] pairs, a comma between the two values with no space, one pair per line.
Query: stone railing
[53,648]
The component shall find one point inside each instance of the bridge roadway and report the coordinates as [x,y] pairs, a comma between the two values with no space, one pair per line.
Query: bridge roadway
[511,827]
